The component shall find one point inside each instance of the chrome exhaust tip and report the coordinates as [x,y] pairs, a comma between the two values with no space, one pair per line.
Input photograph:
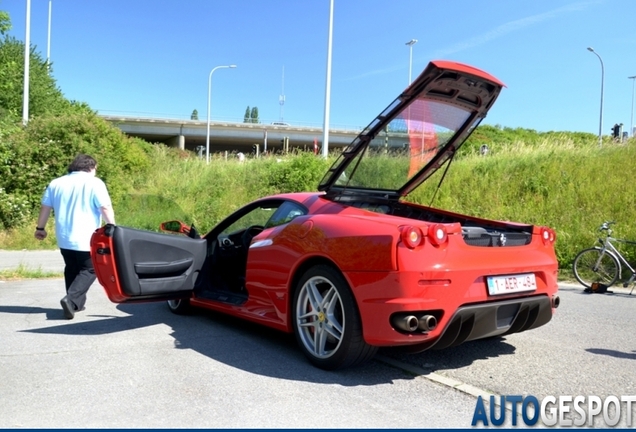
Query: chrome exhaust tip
[408,323]
[427,323]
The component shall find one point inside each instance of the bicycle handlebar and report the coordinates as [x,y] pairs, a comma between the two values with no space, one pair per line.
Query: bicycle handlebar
[606,225]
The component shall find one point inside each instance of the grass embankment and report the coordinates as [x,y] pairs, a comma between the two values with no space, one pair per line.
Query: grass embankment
[570,186]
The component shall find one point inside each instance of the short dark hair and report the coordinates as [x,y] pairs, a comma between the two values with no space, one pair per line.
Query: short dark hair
[82,162]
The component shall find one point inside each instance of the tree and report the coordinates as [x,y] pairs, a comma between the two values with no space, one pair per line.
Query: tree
[254,115]
[5,23]
[246,117]
[194,115]
[44,95]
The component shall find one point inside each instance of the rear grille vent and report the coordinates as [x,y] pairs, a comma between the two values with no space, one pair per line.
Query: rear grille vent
[478,236]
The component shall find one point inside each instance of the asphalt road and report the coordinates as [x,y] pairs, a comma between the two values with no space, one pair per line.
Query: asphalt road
[587,349]
[143,367]
[45,260]
[121,366]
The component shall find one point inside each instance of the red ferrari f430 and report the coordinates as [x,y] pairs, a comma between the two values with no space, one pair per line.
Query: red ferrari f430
[355,266]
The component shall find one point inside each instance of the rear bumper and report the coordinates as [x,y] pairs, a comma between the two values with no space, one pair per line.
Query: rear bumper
[494,319]
[463,310]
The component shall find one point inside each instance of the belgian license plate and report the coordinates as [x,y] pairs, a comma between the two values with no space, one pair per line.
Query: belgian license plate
[511,284]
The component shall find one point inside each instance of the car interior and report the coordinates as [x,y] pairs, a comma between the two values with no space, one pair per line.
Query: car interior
[223,275]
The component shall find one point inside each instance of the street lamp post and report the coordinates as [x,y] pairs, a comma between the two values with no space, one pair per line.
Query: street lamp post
[48,40]
[410,44]
[631,123]
[27,56]
[600,125]
[207,136]
[325,122]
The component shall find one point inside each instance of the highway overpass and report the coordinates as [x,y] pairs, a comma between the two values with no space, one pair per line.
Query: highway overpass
[227,136]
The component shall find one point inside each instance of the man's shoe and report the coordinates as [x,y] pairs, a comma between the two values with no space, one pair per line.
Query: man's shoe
[68,307]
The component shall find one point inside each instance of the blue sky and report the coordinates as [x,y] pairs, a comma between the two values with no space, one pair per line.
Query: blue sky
[152,58]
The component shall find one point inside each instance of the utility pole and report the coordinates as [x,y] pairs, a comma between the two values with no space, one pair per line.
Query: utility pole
[325,125]
[600,123]
[410,44]
[631,123]
[48,39]
[27,55]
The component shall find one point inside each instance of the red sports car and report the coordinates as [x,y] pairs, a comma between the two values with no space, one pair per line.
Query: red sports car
[354,266]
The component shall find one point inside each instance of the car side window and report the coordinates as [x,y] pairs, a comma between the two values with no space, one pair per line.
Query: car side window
[285,213]
[258,216]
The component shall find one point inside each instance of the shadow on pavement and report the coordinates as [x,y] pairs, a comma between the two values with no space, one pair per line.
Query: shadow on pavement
[51,314]
[454,357]
[258,349]
[613,353]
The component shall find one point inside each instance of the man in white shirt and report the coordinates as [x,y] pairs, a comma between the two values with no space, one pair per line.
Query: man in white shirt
[78,200]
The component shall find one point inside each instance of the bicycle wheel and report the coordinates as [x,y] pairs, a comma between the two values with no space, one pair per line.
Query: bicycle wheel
[593,265]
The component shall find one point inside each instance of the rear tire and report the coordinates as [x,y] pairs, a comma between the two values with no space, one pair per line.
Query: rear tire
[589,269]
[180,306]
[326,320]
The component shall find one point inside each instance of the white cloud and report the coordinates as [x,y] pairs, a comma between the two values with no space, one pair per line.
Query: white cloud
[498,32]
[512,26]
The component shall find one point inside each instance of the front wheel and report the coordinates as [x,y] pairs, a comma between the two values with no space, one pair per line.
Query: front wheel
[594,265]
[326,320]
[179,306]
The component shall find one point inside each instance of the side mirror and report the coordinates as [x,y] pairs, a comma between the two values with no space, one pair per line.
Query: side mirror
[175,226]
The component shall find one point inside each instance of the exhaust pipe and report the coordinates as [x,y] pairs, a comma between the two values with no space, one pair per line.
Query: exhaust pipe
[556,301]
[427,323]
[408,323]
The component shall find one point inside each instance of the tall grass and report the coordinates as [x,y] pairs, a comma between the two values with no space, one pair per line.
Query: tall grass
[195,192]
[569,185]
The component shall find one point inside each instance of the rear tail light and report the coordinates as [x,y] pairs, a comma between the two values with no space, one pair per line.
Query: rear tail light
[412,236]
[437,234]
[548,235]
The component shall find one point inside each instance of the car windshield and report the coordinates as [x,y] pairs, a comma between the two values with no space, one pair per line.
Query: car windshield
[407,144]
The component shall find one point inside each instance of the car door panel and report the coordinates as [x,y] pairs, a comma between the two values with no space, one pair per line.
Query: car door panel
[143,265]
[163,267]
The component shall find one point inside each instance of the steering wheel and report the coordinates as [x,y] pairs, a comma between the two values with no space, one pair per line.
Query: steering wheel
[249,234]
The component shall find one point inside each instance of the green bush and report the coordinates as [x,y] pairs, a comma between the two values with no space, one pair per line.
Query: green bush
[300,172]
[14,209]
[57,139]
[31,157]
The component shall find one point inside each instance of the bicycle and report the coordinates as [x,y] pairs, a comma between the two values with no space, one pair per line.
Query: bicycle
[602,264]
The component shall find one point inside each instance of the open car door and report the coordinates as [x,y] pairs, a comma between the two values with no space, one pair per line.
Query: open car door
[136,265]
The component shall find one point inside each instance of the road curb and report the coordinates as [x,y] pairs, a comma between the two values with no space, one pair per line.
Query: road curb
[439,379]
